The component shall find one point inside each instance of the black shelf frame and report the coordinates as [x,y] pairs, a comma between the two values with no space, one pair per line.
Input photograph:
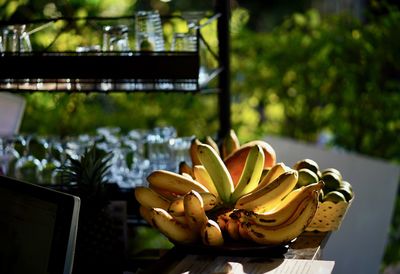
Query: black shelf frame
[130,71]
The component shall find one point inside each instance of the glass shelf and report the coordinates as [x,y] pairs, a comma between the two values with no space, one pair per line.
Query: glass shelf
[128,71]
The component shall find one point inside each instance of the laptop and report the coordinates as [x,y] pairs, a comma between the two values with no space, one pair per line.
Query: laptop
[38,228]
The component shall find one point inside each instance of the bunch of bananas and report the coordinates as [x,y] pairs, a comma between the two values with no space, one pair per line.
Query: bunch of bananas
[238,193]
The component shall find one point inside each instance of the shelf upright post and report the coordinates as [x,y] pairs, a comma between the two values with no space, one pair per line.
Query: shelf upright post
[224,100]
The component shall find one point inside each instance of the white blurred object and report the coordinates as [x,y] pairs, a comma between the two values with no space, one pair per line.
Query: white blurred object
[11,112]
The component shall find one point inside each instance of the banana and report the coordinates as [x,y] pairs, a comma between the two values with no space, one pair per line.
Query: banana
[201,175]
[283,211]
[194,210]
[211,234]
[272,174]
[210,141]
[269,196]
[149,198]
[243,232]
[146,214]
[187,175]
[230,144]
[165,193]
[251,173]
[176,207]
[217,171]
[288,231]
[193,151]
[221,221]
[173,182]
[232,227]
[185,168]
[174,230]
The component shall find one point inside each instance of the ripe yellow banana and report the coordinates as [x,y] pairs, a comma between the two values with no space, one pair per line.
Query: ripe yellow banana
[269,196]
[201,175]
[251,173]
[217,171]
[176,207]
[243,232]
[174,230]
[288,231]
[173,182]
[210,141]
[283,211]
[232,227]
[211,234]
[149,198]
[272,174]
[193,151]
[185,168]
[146,214]
[230,143]
[194,211]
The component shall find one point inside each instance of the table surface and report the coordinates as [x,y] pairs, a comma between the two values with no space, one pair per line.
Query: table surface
[308,246]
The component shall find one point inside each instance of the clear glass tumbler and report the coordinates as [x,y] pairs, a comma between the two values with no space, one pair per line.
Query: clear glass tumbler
[148,31]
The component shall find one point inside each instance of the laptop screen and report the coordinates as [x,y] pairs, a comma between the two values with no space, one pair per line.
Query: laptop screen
[37,228]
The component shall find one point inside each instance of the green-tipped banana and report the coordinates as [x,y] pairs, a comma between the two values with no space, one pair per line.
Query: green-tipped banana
[251,173]
[201,175]
[210,141]
[217,171]
[230,144]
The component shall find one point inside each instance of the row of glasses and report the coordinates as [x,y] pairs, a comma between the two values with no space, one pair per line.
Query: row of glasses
[134,155]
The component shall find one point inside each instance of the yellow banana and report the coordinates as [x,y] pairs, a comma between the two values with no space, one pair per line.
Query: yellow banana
[269,196]
[176,207]
[146,214]
[288,231]
[185,168]
[174,230]
[217,171]
[210,141]
[232,227]
[193,151]
[149,198]
[283,211]
[243,232]
[211,234]
[221,220]
[230,144]
[173,182]
[251,173]
[187,175]
[194,210]
[272,174]
[201,175]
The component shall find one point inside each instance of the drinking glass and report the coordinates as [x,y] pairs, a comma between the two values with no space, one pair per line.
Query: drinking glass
[182,42]
[116,39]
[148,31]
[16,39]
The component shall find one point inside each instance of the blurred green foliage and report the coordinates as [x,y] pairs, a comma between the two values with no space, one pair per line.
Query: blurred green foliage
[309,77]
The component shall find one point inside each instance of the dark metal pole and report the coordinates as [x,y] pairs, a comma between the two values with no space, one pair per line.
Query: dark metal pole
[224,100]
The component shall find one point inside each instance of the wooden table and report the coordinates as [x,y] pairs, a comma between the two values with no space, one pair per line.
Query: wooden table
[308,246]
